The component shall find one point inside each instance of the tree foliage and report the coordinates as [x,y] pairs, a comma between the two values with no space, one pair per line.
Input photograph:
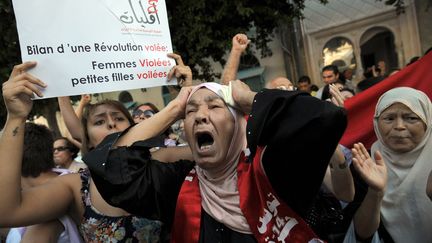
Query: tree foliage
[9,49]
[201,30]
[10,55]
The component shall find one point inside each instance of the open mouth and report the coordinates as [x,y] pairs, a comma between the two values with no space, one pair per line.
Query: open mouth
[205,140]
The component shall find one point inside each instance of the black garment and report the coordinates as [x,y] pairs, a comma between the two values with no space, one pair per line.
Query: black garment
[211,231]
[326,89]
[127,177]
[301,134]
[326,93]
[326,217]
[289,124]
[369,82]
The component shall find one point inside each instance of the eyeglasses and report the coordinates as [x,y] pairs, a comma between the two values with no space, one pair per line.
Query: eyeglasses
[62,148]
[147,113]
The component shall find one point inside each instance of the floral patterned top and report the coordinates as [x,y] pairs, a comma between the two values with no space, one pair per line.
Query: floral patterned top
[96,227]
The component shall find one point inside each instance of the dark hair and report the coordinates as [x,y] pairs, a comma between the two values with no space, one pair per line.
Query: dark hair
[413,60]
[326,90]
[342,78]
[314,88]
[369,72]
[89,109]
[348,90]
[331,68]
[37,150]
[151,105]
[304,79]
[346,70]
[71,147]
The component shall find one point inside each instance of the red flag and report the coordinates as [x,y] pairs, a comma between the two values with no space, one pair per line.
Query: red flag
[361,107]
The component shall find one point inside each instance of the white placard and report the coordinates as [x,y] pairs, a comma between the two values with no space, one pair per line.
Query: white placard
[92,46]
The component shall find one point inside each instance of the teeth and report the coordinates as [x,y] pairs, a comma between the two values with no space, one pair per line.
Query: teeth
[203,147]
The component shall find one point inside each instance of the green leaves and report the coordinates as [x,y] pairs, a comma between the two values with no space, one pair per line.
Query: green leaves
[10,56]
[9,48]
[202,30]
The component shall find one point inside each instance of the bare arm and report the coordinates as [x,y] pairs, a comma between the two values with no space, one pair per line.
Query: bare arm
[172,112]
[367,217]
[85,99]
[341,180]
[159,122]
[74,141]
[24,207]
[70,118]
[43,233]
[239,45]
[173,154]
[243,96]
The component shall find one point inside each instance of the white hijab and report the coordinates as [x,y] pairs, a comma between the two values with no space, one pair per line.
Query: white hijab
[220,195]
[406,211]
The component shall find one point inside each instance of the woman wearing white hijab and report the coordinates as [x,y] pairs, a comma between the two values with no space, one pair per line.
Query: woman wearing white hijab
[429,186]
[402,123]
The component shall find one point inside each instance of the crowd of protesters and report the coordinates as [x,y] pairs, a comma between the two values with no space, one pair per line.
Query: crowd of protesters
[243,166]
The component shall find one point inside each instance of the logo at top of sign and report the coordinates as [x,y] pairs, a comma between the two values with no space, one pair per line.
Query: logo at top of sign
[141,15]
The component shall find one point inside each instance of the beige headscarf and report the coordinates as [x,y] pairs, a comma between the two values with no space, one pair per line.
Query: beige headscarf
[220,196]
[406,211]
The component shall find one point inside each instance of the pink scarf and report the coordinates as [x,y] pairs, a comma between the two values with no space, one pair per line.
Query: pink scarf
[220,195]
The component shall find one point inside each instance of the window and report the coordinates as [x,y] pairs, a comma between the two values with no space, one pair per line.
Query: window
[339,51]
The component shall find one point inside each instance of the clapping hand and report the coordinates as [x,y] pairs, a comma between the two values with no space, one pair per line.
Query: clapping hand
[336,96]
[374,172]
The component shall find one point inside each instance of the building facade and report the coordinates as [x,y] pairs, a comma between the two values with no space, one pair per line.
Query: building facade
[349,33]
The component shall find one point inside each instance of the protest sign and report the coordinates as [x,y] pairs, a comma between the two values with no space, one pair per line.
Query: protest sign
[92,46]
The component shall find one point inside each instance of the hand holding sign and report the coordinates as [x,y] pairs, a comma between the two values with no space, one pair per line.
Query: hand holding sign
[182,72]
[113,45]
[19,90]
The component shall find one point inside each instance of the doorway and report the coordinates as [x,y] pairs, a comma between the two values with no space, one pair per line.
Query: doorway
[378,44]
